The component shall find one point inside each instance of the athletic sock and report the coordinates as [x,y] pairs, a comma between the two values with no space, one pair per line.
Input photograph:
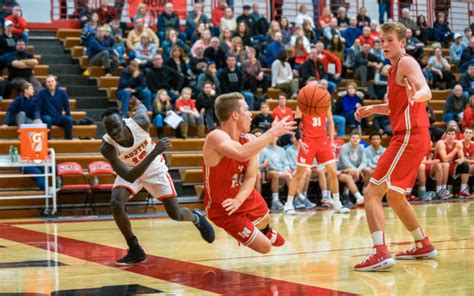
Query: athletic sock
[275,196]
[378,238]
[438,188]
[305,194]
[444,187]
[325,193]
[289,200]
[301,197]
[418,234]
[463,187]
[336,197]
[346,191]
[422,188]
[358,196]
[133,243]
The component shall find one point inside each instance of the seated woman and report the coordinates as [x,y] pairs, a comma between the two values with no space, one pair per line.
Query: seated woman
[177,62]
[171,41]
[440,69]
[145,50]
[252,73]
[283,77]
[161,108]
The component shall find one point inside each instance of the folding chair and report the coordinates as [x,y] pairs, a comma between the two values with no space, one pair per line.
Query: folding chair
[98,171]
[72,169]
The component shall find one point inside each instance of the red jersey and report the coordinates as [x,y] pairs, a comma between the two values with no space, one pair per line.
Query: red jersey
[277,113]
[313,127]
[223,180]
[402,116]
[468,151]
[448,150]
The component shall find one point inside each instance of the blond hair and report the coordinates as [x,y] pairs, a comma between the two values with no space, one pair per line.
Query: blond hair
[159,103]
[226,104]
[396,27]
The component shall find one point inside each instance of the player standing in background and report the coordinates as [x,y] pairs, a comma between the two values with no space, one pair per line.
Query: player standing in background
[398,166]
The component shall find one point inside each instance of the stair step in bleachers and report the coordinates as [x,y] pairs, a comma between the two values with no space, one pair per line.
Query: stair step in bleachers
[82,131]
[107,82]
[273,103]
[184,160]
[440,94]
[39,70]
[77,52]
[5,103]
[70,42]
[64,33]
[191,176]
[199,191]
[75,115]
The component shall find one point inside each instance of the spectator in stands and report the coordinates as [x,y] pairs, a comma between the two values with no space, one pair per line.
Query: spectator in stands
[336,47]
[263,120]
[171,41]
[186,108]
[247,19]
[372,156]
[365,37]
[198,62]
[325,17]
[339,121]
[228,21]
[441,31]
[301,54]
[163,77]
[352,32]
[377,50]
[225,38]
[467,56]
[362,18]
[144,50]
[101,53]
[455,50]
[24,108]
[143,14]
[468,115]
[384,8]
[135,34]
[217,14]
[435,132]
[204,42]
[283,76]
[54,106]
[7,40]
[467,81]
[350,102]
[352,161]
[309,33]
[302,16]
[232,81]
[19,29]
[133,83]
[244,33]
[423,30]
[85,14]
[342,19]
[382,124]
[252,73]
[89,30]
[177,63]
[272,29]
[169,19]
[378,90]
[354,50]
[414,47]
[332,65]
[313,68]
[285,29]
[455,104]
[205,104]
[366,64]
[331,30]
[210,74]
[196,17]
[374,30]
[298,32]
[215,53]
[20,68]
[440,69]
[406,20]
[466,37]
[274,49]
[161,109]
[106,12]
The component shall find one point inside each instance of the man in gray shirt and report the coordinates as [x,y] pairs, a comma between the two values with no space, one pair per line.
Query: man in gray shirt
[372,155]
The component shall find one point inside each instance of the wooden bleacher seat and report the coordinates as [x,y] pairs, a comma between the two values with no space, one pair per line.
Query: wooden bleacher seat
[83,62]
[75,115]
[107,82]
[31,49]
[273,93]
[112,93]
[83,131]
[64,33]
[273,103]
[440,94]
[184,160]
[41,70]
[70,42]
[437,104]
[5,103]
[191,176]
[77,52]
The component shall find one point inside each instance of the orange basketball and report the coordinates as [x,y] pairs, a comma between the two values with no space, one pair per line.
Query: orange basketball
[313,100]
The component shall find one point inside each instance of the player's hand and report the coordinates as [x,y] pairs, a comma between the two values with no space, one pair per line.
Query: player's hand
[282,127]
[459,161]
[363,112]
[231,205]
[410,90]
[162,145]
[304,147]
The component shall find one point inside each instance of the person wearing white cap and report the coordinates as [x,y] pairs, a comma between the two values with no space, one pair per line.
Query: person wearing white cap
[7,41]
[455,50]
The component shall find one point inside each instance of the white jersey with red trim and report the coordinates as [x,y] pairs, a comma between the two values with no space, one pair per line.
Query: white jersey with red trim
[142,146]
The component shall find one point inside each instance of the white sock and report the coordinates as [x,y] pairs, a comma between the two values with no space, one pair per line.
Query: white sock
[275,196]
[325,194]
[336,197]
[358,196]
[346,191]
[444,187]
[378,238]
[408,191]
[417,234]
[305,194]
[289,200]
[301,197]
[438,188]
[422,188]
[463,187]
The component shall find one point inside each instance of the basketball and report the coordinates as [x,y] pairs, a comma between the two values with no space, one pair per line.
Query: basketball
[313,100]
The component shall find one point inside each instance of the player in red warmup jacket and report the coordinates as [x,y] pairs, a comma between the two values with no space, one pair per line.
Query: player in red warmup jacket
[397,168]
[230,170]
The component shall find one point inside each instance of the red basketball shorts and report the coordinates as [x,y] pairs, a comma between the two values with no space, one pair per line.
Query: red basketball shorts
[399,165]
[317,148]
[241,225]
[429,171]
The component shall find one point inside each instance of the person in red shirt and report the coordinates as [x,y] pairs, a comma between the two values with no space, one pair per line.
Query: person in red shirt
[468,115]
[280,112]
[230,171]
[366,37]
[19,23]
[332,64]
[186,108]
[468,149]
[106,13]
[218,12]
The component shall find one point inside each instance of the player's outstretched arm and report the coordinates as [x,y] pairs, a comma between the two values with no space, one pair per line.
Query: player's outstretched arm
[131,175]
[141,115]
[416,87]
[225,146]
[366,111]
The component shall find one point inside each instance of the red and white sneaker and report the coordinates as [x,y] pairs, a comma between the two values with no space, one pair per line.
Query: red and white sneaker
[360,202]
[411,197]
[422,249]
[275,238]
[380,259]
[464,194]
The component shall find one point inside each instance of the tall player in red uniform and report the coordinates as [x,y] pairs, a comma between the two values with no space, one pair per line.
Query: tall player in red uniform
[397,168]
[230,171]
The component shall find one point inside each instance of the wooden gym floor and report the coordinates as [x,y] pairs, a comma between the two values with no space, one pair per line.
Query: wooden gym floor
[77,257]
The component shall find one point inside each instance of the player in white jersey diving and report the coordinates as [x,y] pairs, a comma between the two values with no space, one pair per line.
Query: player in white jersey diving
[139,163]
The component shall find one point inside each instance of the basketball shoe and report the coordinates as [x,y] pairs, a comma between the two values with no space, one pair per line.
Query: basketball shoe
[135,255]
[379,259]
[276,205]
[327,202]
[308,204]
[338,208]
[360,202]
[275,238]
[204,227]
[422,249]
[298,204]
[464,194]
[289,209]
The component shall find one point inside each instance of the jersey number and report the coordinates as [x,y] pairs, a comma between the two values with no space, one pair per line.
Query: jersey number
[316,121]
[237,180]
[139,157]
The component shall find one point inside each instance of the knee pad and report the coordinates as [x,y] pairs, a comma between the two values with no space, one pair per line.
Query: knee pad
[462,168]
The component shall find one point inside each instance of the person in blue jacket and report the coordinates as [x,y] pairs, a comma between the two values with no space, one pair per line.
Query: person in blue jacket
[24,109]
[101,53]
[133,83]
[54,107]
